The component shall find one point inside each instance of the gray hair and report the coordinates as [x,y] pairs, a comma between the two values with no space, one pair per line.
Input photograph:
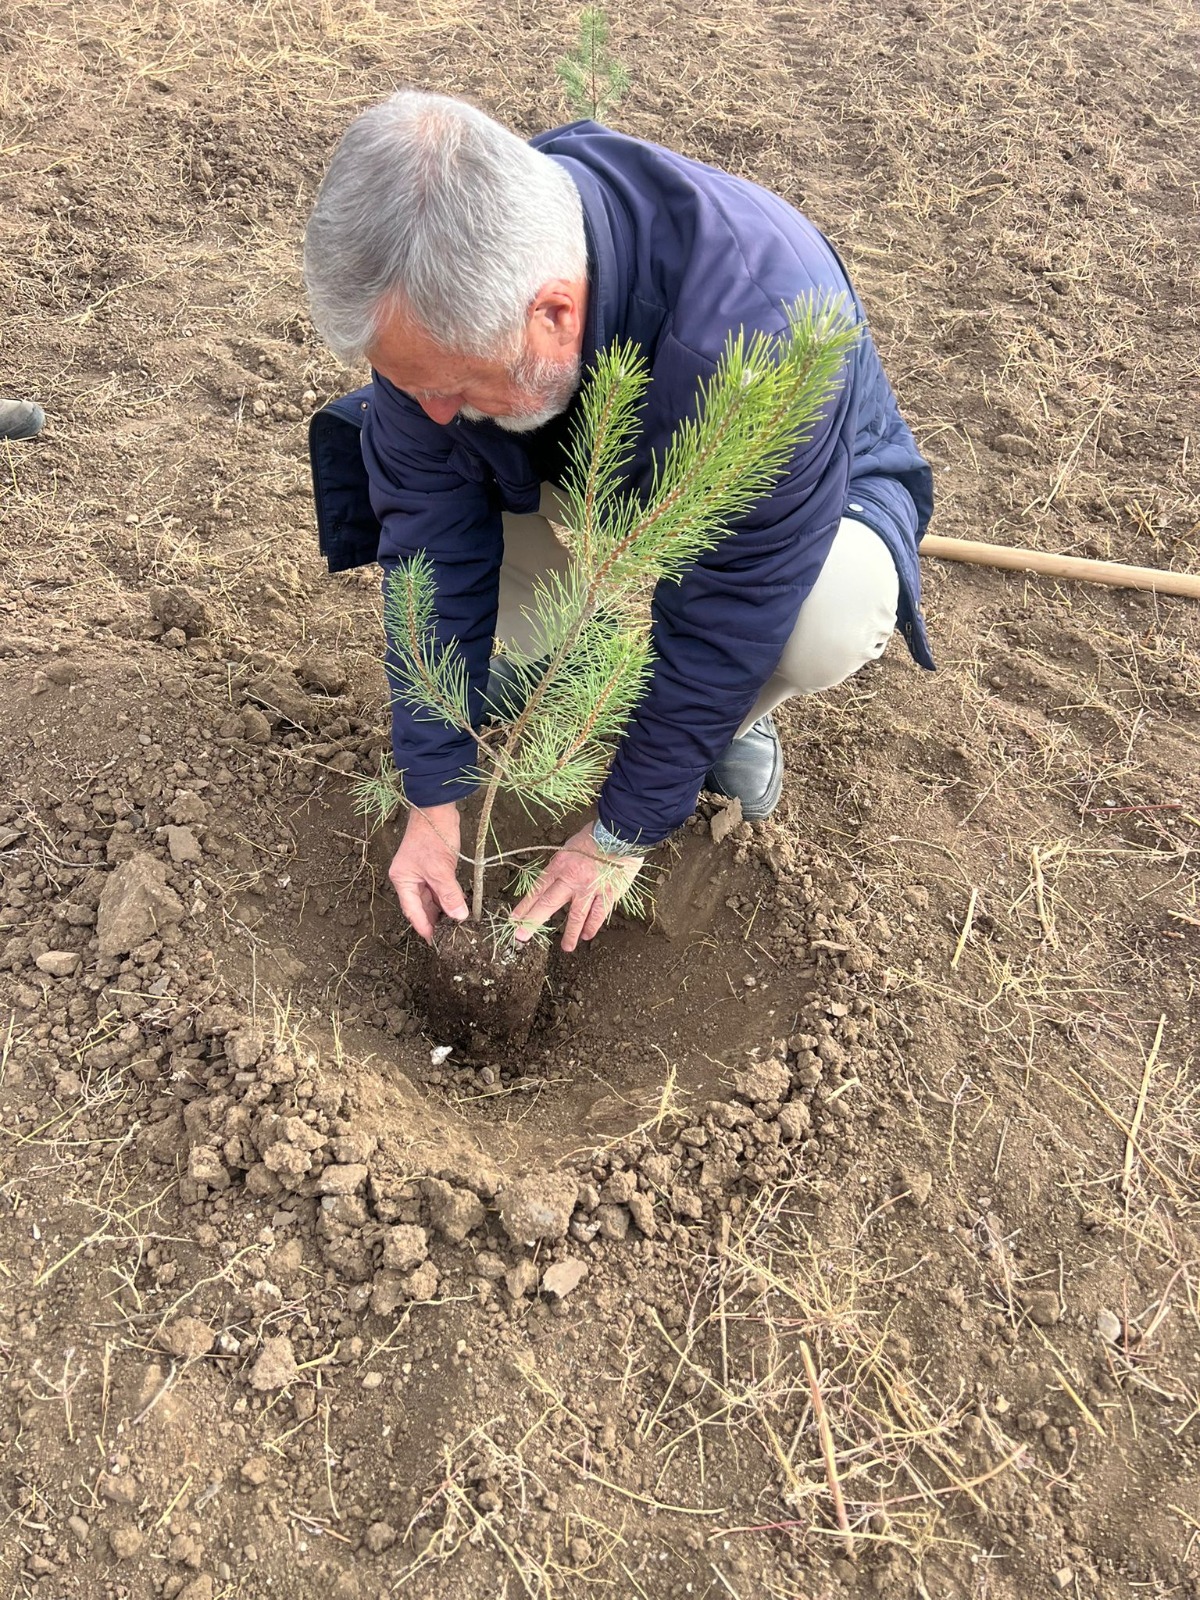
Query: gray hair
[431,207]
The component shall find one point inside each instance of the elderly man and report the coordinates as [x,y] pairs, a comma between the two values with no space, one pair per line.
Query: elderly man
[480,275]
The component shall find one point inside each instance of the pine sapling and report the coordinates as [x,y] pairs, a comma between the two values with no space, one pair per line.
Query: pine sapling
[575,690]
[593,80]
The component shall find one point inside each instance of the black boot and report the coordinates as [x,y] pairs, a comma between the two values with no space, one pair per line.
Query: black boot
[20,419]
[751,770]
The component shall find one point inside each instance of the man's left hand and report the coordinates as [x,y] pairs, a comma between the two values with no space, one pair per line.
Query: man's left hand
[584,880]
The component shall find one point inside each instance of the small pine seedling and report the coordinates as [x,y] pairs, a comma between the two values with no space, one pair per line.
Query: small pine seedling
[580,683]
[593,80]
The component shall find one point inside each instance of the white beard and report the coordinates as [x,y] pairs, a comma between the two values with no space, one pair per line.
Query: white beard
[552,384]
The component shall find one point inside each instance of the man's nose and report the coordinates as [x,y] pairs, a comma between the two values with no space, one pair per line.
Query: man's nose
[442,408]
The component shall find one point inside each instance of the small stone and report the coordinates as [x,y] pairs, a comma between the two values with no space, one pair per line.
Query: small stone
[353,1147]
[1108,1326]
[276,1365]
[795,1120]
[1064,1577]
[63,672]
[287,1159]
[490,1266]
[641,1209]
[421,1284]
[372,1380]
[404,1246]
[205,1166]
[135,903]
[1010,444]
[322,672]
[188,1338]
[1043,1307]
[58,963]
[538,1206]
[182,844]
[78,1529]
[255,727]
[181,608]
[256,1471]
[563,1276]
[908,1183]
[126,1542]
[119,1491]
[766,1081]
[68,1085]
[614,1222]
[200,1588]
[521,1279]
[342,1180]
[244,1048]
[454,1212]
[620,1188]
[380,1536]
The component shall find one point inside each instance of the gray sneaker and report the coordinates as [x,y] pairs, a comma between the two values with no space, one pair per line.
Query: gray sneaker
[20,419]
[751,770]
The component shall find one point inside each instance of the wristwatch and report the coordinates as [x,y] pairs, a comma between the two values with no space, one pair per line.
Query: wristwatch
[610,845]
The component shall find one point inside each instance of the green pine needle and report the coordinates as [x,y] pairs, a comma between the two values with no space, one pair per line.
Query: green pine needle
[378,798]
[431,678]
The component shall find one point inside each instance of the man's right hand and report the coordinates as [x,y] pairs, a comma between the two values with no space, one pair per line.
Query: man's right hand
[424,869]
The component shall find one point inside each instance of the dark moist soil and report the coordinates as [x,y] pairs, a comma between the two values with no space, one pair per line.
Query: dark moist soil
[291,1306]
[478,994]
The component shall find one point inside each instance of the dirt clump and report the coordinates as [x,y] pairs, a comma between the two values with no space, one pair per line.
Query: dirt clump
[480,993]
[538,1207]
[136,903]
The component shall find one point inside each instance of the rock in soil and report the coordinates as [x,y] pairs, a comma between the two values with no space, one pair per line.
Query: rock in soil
[912,1184]
[475,998]
[404,1246]
[563,1276]
[1043,1306]
[182,844]
[127,1542]
[766,1081]
[454,1212]
[521,1279]
[276,1365]
[135,903]
[58,963]
[188,1338]
[538,1207]
[180,608]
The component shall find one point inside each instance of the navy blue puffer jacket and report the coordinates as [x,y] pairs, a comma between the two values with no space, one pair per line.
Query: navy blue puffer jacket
[680,254]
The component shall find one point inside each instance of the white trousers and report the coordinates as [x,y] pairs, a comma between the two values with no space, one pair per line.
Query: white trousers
[846,620]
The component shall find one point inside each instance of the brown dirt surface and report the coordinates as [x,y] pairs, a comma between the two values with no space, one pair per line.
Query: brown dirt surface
[870,1169]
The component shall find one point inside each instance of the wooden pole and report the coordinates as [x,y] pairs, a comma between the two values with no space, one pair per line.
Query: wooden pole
[1112,573]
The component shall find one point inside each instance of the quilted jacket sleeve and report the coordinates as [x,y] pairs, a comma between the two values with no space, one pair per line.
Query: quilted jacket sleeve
[431,494]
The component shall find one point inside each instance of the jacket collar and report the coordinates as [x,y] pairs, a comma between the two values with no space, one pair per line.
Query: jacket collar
[608,262]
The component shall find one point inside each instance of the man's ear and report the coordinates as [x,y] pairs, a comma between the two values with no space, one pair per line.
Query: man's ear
[557,312]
